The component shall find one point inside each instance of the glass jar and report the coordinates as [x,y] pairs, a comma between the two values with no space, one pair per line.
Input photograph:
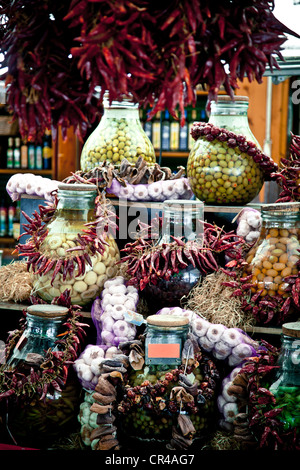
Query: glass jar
[219,174]
[275,255]
[165,338]
[119,135]
[286,388]
[30,420]
[181,219]
[76,207]
[42,326]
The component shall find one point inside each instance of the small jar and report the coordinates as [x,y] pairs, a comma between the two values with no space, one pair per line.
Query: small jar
[286,388]
[76,208]
[119,135]
[219,174]
[42,327]
[180,219]
[275,255]
[165,338]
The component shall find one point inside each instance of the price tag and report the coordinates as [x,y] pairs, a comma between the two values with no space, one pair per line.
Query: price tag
[163,350]
[134,318]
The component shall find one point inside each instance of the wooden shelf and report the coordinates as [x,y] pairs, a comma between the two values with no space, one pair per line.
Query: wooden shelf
[87,314]
[12,171]
[172,153]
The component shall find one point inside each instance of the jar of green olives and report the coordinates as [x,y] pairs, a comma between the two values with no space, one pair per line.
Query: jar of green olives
[119,135]
[220,170]
[286,387]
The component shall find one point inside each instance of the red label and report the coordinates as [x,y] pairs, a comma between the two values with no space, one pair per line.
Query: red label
[171,350]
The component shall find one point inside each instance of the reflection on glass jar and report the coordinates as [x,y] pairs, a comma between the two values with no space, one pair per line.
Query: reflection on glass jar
[275,255]
[119,135]
[219,174]
[76,207]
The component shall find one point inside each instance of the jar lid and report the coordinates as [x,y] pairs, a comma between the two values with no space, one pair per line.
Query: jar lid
[167,320]
[227,98]
[77,187]
[291,329]
[47,311]
[281,207]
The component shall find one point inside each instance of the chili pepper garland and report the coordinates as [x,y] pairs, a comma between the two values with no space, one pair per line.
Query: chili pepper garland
[262,408]
[52,373]
[288,174]
[58,53]
[88,242]
[147,262]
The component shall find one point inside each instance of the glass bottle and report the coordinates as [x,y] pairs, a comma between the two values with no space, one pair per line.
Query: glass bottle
[180,219]
[275,255]
[119,135]
[219,174]
[30,421]
[286,388]
[76,207]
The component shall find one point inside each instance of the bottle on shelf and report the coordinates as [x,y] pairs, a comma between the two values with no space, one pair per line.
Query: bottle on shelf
[47,150]
[3,219]
[31,156]
[16,221]
[156,131]
[17,153]
[191,122]
[10,220]
[38,157]
[10,153]
[183,134]
[24,155]
[174,134]
[165,131]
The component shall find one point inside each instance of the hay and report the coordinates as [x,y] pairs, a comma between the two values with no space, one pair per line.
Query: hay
[213,301]
[16,282]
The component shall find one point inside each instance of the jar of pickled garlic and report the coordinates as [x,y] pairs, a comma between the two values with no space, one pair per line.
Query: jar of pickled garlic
[275,255]
[220,171]
[81,263]
[119,135]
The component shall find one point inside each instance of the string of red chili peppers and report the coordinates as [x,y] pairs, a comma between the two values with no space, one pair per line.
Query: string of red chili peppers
[263,412]
[52,373]
[88,242]
[289,176]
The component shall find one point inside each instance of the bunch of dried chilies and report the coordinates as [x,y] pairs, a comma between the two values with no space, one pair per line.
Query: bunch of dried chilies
[147,261]
[250,387]
[57,54]
[51,374]
[88,242]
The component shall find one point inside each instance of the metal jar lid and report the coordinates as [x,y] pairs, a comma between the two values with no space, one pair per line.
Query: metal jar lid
[291,329]
[47,311]
[167,320]
[76,187]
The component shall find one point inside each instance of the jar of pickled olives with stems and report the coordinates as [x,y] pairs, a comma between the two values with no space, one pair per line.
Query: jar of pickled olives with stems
[119,135]
[221,168]
[275,255]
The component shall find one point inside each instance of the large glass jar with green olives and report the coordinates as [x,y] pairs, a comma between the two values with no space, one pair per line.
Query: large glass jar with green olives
[85,281]
[220,174]
[119,135]
[286,387]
